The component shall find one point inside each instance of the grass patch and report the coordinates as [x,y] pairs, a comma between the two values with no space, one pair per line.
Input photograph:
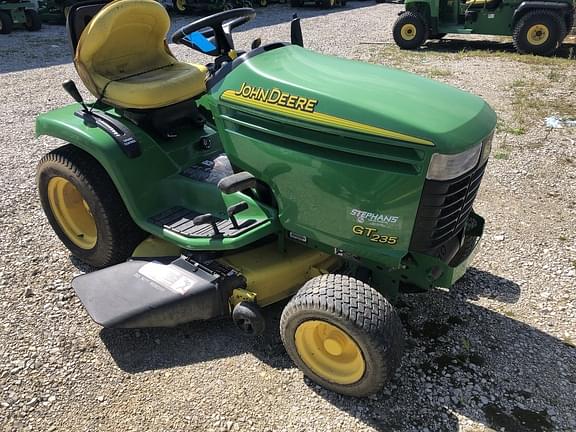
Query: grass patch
[500,155]
[562,238]
[436,73]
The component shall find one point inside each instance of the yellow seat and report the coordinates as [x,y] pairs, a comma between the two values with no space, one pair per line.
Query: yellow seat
[123,58]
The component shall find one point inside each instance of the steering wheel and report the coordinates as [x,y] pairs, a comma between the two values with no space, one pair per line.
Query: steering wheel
[217,29]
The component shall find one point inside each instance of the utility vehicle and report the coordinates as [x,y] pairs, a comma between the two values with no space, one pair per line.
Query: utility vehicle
[536,26]
[186,7]
[20,14]
[265,174]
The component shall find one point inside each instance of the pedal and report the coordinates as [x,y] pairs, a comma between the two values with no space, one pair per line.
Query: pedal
[235,209]
[237,182]
[207,218]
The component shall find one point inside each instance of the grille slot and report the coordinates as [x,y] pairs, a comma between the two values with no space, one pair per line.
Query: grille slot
[444,209]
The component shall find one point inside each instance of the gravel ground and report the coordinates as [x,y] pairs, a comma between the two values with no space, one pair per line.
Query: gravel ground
[495,352]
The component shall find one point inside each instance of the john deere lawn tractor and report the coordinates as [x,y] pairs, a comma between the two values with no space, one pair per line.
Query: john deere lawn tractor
[16,13]
[207,191]
[536,26]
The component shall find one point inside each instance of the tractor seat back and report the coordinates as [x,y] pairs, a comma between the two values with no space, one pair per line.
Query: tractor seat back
[123,59]
[488,4]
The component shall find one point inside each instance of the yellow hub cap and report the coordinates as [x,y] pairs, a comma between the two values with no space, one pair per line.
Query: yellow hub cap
[72,213]
[181,5]
[408,31]
[538,34]
[329,352]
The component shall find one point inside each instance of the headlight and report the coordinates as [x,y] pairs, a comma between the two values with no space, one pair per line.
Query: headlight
[448,167]
[486,147]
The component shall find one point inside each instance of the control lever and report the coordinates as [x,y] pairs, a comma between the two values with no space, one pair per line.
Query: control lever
[237,182]
[72,90]
[207,218]
[235,209]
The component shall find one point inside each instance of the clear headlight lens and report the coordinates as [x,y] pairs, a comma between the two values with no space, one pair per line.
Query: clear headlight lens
[448,167]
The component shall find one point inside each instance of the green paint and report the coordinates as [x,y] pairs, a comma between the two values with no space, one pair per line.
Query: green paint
[323,176]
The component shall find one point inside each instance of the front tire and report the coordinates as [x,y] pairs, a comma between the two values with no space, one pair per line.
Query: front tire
[33,21]
[410,30]
[539,32]
[85,209]
[342,334]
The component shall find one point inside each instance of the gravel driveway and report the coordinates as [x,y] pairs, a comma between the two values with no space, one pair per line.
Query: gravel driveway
[496,352]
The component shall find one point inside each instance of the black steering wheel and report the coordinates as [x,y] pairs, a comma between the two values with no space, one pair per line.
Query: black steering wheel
[217,29]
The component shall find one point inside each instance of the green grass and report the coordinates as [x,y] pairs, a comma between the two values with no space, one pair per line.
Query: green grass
[438,73]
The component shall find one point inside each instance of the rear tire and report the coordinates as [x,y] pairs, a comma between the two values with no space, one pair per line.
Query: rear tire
[85,209]
[33,21]
[539,32]
[410,30]
[5,23]
[342,334]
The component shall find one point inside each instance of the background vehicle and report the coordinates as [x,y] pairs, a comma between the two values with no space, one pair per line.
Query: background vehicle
[537,27]
[265,174]
[15,13]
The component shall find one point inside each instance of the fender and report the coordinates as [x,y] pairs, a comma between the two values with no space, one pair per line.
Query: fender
[152,181]
[526,6]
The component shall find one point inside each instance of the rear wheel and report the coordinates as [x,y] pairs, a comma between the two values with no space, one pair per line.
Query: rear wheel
[5,23]
[539,32]
[410,30]
[342,334]
[180,6]
[85,209]
[33,21]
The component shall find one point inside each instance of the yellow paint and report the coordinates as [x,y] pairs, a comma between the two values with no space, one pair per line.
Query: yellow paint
[408,31]
[181,5]
[330,352]
[273,276]
[321,118]
[123,55]
[232,54]
[538,34]
[240,295]
[72,213]
[155,247]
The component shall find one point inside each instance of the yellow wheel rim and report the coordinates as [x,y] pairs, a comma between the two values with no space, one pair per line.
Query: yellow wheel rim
[408,31]
[330,352]
[181,5]
[538,34]
[72,213]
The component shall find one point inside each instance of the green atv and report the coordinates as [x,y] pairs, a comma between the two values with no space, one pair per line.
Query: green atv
[536,26]
[206,191]
[18,13]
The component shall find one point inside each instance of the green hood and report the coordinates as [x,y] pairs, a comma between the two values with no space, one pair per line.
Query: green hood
[361,93]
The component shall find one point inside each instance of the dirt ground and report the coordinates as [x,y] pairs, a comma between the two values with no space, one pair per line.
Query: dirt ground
[496,352]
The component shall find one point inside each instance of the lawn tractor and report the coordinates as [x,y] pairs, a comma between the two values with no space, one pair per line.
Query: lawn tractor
[20,14]
[275,173]
[326,4]
[186,7]
[55,11]
[536,26]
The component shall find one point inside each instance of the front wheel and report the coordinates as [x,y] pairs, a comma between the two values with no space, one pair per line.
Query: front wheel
[410,30]
[342,334]
[33,21]
[539,32]
[85,209]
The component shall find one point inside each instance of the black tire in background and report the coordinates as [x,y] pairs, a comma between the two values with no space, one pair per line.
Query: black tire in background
[33,21]
[539,32]
[356,310]
[116,233]
[5,23]
[410,30]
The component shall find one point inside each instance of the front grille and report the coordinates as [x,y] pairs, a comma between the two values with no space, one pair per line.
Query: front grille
[443,211]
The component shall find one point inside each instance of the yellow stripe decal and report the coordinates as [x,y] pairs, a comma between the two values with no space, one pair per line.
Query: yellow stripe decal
[320,118]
